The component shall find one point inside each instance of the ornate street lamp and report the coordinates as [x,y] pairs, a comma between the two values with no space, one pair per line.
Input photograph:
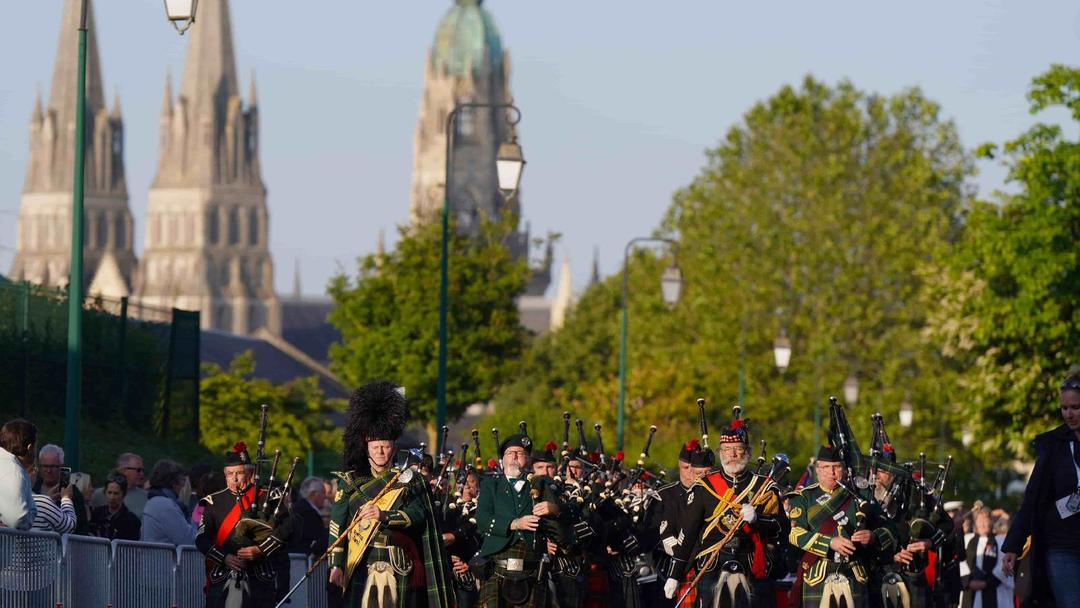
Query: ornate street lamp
[509,164]
[181,13]
[851,390]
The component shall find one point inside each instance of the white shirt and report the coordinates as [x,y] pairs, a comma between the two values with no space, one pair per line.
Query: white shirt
[17,508]
[1005,589]
[515,483]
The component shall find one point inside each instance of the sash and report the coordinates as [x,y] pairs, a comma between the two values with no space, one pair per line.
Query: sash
[233,517]
[826,528]
[718,487]
[819,518]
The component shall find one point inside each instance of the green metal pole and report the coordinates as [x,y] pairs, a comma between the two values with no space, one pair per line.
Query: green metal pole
[75,280]
[620,420]
[444,280]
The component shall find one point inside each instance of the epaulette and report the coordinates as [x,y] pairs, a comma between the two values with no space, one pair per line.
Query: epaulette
[665,487]
[209,498]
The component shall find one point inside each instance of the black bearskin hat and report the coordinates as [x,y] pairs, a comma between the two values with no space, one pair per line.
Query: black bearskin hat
[377,410]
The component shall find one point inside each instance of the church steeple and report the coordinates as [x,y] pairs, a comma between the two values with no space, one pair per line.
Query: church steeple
[207,237]
[213,139]
[44,234]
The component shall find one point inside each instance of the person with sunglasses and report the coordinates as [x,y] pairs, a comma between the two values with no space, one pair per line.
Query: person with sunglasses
[1050,512]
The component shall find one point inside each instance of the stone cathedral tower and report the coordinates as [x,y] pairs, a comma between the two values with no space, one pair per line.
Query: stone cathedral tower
[466,63]
[43,245]
[207,225]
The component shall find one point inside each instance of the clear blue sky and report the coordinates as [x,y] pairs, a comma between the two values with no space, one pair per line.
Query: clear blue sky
[620,98]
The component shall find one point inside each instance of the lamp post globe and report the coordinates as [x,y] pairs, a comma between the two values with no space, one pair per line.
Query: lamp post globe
[671,285]
[509,164]
[907,414]
[181,13]
[782,352]
[851,390]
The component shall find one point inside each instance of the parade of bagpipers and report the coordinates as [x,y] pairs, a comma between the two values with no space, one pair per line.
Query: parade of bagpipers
[713,305]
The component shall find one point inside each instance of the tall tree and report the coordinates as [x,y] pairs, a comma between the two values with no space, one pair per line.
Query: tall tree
[812,216]
[1009,294]
[388,317]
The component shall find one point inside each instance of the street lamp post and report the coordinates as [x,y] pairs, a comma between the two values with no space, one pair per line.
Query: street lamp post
[178,11]
[670,287]
[509,163]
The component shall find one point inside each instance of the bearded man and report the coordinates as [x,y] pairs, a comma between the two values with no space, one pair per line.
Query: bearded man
[735,573]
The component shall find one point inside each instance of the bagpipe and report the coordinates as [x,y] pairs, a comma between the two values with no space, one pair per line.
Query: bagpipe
[270,503]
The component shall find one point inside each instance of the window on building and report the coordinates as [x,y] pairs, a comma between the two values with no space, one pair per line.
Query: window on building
[234,226]
[120,233]
[102,230]
[213,226]
[253,227]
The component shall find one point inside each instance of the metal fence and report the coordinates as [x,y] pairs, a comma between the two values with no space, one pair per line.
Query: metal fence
[45,570]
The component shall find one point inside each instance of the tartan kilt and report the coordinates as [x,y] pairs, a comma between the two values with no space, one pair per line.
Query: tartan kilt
[354,595]
[489,590]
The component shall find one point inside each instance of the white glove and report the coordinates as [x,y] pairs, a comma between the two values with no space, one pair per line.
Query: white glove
[669,545]
[749,515]
[670,587]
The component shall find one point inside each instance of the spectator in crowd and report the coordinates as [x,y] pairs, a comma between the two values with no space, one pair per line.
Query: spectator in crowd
[165,519]
[309,534]
[85,487]
[113,520]
[1050,511]
[54,515]
[51,483]
[130,466]
[984,583]
[17,508]
[204,484]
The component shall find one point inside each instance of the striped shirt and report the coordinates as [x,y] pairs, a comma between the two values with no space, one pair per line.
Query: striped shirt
[52,517]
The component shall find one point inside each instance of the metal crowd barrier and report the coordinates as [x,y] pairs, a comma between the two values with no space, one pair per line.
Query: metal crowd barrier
[190,577]
[85,571]
[145,574]
[44,570]
[29,569]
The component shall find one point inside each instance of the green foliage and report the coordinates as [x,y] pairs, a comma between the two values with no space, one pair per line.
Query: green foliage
[388,317]
[813,215]
[299,417]
[1008,294]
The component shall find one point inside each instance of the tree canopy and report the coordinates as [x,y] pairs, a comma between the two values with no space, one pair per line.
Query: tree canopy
[1008,294]
[814,216]
[388,317]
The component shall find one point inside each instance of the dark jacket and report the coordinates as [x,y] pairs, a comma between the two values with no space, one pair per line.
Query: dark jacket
[1053,476]
[309,533]
[499,504]
[122,525]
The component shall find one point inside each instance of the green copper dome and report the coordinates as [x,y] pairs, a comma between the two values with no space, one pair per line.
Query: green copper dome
[466,41]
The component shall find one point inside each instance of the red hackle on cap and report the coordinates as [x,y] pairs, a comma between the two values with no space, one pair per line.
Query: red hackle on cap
[693,445]
[619,455]
[551,445]
[737,424]
[240,446]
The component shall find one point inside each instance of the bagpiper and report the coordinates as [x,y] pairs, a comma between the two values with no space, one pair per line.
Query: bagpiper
[240,571]
[515,515]
[391,554]
[735,517]
[841,534]
[667,517]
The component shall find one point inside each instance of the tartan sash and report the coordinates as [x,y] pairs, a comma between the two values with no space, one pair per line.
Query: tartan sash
[818,515]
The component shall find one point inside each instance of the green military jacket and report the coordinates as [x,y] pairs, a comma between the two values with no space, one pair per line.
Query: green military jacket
[499,503]
[817,516]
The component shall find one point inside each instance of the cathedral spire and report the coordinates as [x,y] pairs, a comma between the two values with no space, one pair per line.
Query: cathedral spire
[38,115]
[115,111]
[252,101]
[210,68]
[63,95]
[166,100]
[297,293]
[594,278]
